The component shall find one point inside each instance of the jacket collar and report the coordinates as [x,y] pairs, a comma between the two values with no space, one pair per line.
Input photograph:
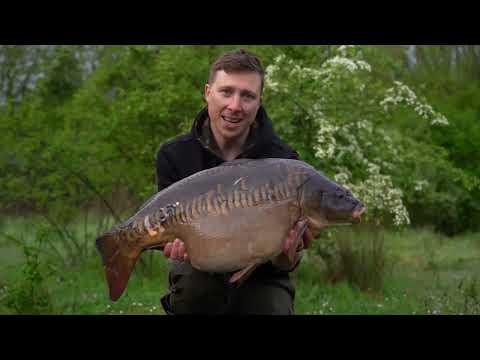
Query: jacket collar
[260,133]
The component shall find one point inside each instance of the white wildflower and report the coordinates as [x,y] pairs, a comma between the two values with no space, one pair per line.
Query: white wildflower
[341,178]
[339,63]
[378,192]
[420,185]
[342,50]
[401,94]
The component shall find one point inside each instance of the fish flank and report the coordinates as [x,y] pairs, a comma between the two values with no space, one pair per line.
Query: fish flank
[257,195]
[263,193]
[236,197]
[181,213]
[230,201]
[189,211]
[209,202]
[250,199]
[244,198]
[281,190]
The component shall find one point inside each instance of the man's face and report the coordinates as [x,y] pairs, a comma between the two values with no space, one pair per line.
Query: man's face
[233,101]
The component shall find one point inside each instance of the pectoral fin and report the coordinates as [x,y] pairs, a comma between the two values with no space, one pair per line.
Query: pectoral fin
[291,244]
[240,276]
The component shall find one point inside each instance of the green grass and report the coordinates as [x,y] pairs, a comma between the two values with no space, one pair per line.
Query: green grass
[424,273]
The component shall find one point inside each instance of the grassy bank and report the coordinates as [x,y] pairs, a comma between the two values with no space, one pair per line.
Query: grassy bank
[421,273]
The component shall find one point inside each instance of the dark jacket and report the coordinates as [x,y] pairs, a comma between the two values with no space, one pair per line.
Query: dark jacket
[190,153]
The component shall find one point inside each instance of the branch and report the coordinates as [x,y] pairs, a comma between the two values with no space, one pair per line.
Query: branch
[89,184]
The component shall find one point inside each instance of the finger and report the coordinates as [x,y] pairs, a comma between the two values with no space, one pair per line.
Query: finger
[181,250]
[175,249]
[289,241]
[293,234]
[167,251]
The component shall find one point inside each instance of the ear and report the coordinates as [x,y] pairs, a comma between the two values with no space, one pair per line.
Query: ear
[207,91]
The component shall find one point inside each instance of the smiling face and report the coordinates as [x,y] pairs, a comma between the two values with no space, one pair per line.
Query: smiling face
[233,100]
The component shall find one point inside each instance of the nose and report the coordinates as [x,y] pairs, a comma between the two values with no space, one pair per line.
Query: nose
[235,103]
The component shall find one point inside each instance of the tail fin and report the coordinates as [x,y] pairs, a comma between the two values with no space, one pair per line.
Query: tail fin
[118,265]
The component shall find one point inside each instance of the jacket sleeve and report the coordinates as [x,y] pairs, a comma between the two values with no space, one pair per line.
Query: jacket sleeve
[279,149]
[290,153]
[165,170]
[293,155]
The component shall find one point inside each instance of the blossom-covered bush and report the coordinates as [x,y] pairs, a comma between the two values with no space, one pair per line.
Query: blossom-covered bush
[340,115]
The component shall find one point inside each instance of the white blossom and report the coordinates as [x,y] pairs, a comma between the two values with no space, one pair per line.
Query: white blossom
[401,94]
[342,50]
[339,62]
[360,154]
[420,185]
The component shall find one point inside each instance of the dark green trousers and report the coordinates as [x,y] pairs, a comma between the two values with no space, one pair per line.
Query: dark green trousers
[195,292]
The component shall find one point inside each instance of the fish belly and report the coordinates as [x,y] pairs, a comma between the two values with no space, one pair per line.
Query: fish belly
[224,243]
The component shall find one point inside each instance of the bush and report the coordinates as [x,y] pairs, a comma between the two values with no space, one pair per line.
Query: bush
[30,294]
[358,257]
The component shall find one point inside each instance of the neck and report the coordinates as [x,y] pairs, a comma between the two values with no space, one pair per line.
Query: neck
[230,148]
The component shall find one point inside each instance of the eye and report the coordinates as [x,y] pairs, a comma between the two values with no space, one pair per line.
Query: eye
[340,194]
[226,92]
[248,96]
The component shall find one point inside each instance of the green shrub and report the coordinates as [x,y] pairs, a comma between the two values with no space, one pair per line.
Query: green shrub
[357,257]
[30,294]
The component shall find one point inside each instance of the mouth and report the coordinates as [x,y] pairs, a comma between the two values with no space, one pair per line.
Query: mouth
[357,213]
[232,120]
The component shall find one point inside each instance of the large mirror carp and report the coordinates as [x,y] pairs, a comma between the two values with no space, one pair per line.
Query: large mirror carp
[231,218]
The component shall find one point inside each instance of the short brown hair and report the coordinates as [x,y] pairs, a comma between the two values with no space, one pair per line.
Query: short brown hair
[239,60]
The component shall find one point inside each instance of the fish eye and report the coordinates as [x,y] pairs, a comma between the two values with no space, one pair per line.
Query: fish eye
[320,195]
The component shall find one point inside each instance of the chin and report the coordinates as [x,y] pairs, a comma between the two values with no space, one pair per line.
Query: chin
[232,132]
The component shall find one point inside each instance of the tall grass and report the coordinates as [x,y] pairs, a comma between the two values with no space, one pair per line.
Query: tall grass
[29,294]
[347,271]
[355,256]
[36,280]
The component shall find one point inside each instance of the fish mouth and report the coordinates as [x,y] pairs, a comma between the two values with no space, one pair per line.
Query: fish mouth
[231,120]
[358,212]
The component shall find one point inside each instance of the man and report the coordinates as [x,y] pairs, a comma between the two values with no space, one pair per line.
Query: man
[233,125]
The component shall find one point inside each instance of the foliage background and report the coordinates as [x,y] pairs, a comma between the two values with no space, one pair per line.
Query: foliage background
[81,124]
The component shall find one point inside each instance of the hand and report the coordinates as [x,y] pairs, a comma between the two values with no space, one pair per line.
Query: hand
[176,251]
[307,238]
